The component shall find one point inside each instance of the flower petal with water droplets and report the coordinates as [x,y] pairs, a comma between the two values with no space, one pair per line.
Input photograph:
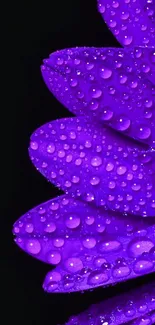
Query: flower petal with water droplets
[85,244]
[111,85]
[131,22]
[96,164]
[137,307]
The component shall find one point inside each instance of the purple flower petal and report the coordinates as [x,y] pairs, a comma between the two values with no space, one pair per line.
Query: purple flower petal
[137,307]
[111,85]
[85,244]
[131,22]
[96,165]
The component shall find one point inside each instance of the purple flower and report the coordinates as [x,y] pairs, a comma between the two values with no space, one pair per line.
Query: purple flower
[103,159]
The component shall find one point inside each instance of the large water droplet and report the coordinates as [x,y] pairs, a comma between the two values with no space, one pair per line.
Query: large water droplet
[73,264]
[72,221]
[53,257]
[33,246]
[109,246]
[139,246]
[142,266]
[98,277]
[96,161]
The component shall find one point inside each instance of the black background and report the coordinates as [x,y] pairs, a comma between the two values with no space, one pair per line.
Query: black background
[35,30]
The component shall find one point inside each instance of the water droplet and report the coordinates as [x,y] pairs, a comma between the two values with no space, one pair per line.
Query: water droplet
[96,93]
[51,227]
[58,242]
[142,266]
[143,132]
[73,264]
[54,257]
[52,286]
[29,228]
[34,145]
[51,148]
[107,114]
[121,170]
[139,246]
[105,73]
[33,246]
[109,246]
[96,161]
[89,220]
[109,167]
[72,221]
[121,271]
[98,261]
[135,187]
[123,123]
[98,277]
[89,242]
[127,40]
[95,180]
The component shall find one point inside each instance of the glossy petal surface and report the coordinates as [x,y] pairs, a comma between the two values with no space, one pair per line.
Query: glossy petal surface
[97,165]
[85,244]
[114,86]
[131,22]
[137,307]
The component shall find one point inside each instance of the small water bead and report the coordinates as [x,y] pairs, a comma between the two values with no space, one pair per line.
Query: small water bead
[95,180]
[52,286]
[142,308]
[121,271]
[96,93]
[96,161]
[109,246]
[145,320]
[105,73]
[121,170]
[53,276]
[89,242]
[107,114]
[51,148]
[94,105]
[73,82]
[148,114]
[109,167]
[98,261]
[50,227]
[98,277]
[127,40]
[129,310]
[75,179]
[123,123]
[112,185]
[34,145]
[123,79]
[68,284]
[54,206]
[53,175]
[53,257]
[73,264]
[58,242]
[89,220]
[72,221]
[144,132]
[78,162]
[33,246]
[138,246]
[29,228]
[142,266]
[136,187]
